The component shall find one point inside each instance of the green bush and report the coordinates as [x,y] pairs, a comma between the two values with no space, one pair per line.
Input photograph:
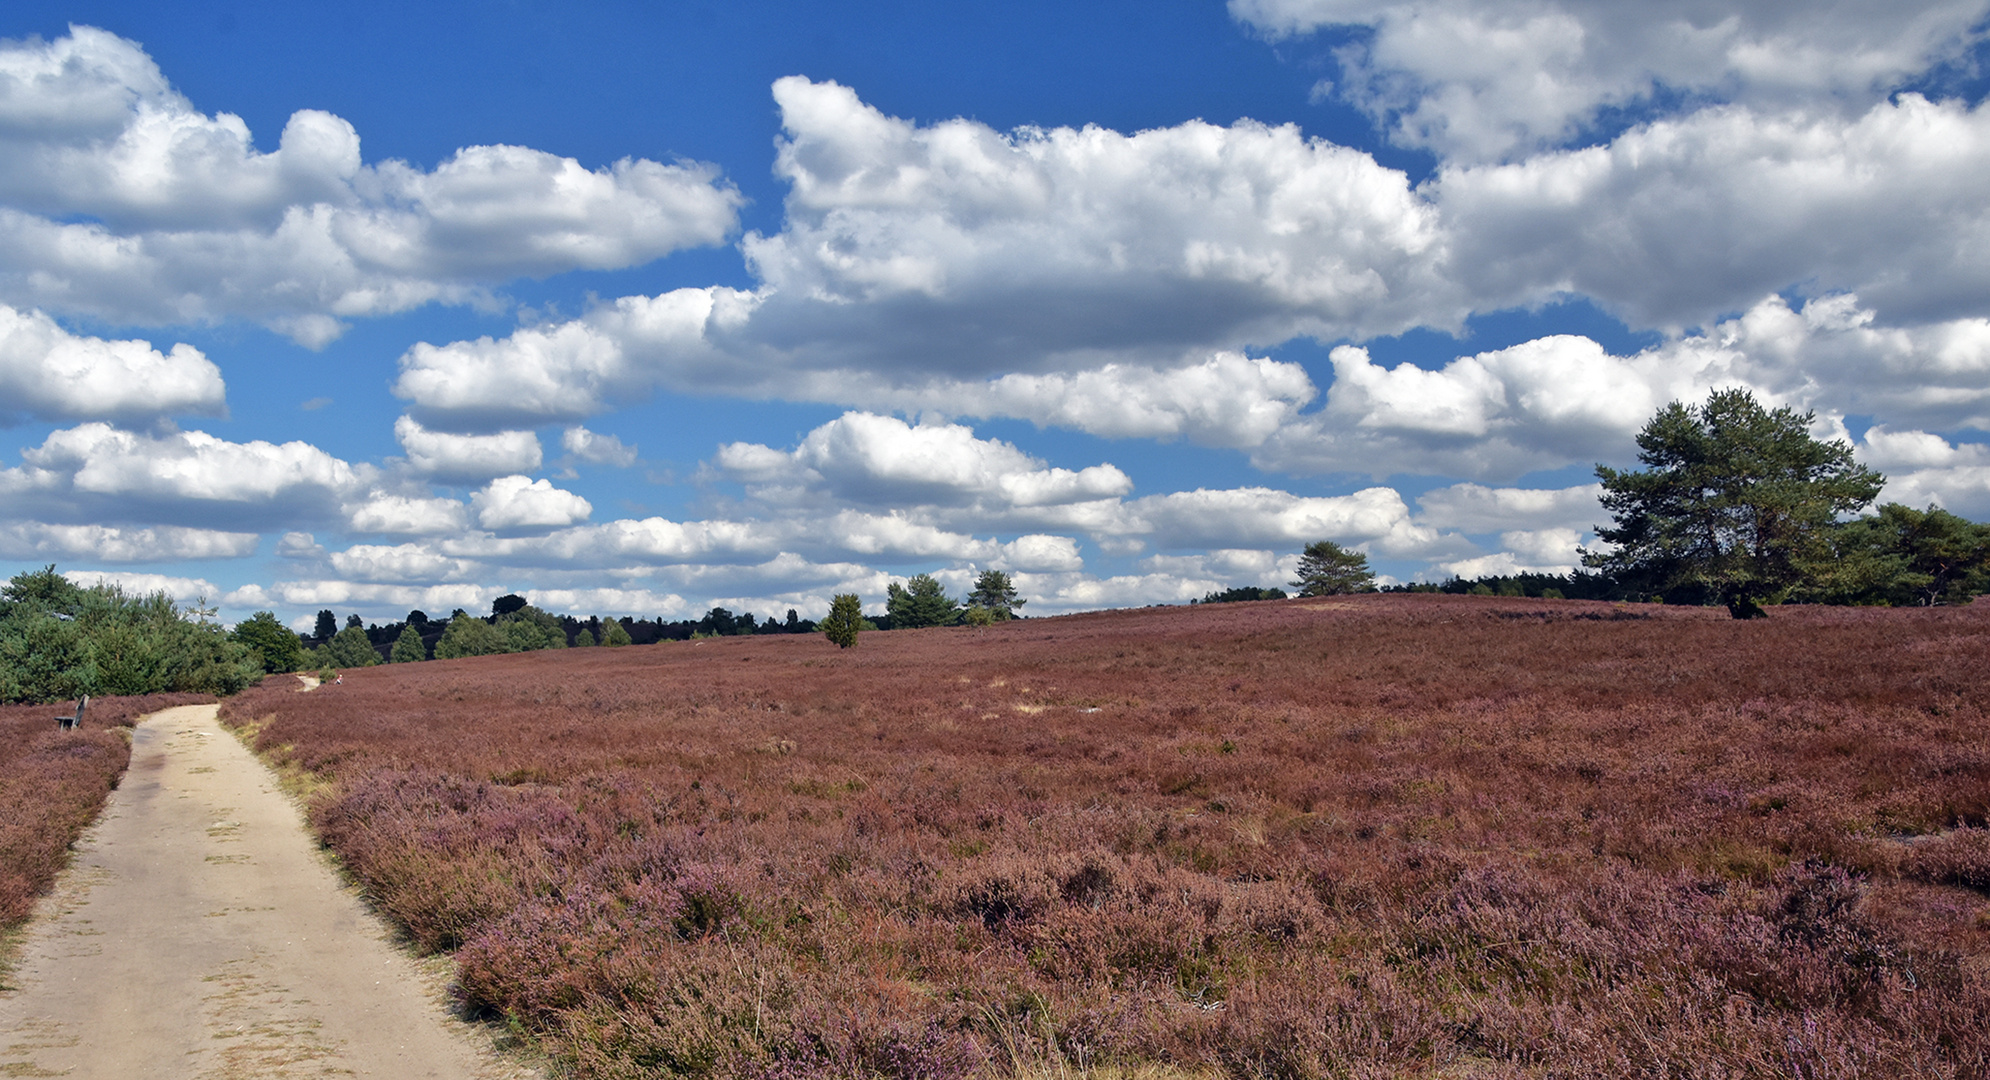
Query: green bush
[59,641]
[468,635]
[276,646]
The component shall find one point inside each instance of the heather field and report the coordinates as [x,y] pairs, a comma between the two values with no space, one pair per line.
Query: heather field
[53,782]
[1424,836]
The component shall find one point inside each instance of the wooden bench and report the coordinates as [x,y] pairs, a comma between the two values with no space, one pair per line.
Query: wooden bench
[68,723]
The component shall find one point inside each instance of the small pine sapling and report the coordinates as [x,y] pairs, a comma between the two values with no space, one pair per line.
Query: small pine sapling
[846,617]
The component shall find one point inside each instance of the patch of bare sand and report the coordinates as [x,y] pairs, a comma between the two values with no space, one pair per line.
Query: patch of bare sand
[201,933]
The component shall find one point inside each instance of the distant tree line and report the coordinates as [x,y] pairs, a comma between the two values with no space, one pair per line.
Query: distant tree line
[1241,594]
[515,625]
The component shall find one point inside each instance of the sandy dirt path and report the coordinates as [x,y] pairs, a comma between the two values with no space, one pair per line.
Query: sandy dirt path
[201,934]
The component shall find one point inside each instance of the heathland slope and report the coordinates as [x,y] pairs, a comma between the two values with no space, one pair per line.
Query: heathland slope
[1410,835]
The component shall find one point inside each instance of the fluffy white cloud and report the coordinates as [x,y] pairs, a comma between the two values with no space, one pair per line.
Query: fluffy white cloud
[1486,78]
[572,370]
[1040,553]
[183,590]
[447,456]
[405,515]
[375,599]
[625,542]
[299,545]
[1473,508]
[1373,519]
[899,238]
[1679,221]
[785,569]
[402,562]
[120,544]
[896,535]
[188,221]
[1057,594]
[96,472]
[1924,469]
[1563,400]
[1226,567]
[598,448]
[1540,404]
[520,502]
[1834,356]
[883,460]
[1539,551]
[1228,399]
[51,374]
[927,261]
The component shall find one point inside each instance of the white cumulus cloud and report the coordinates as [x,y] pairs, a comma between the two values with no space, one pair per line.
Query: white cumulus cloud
[881,459]
[1228,399]
[1924,469]
[520,502]
[48,373]
[406,515]
[447,456]
[1474,508]
[96,472]
[120,200]
[1374,519]
[1679,221]
[1564,400]
[940,262]
[598,448]
[1490,78]
[121,544]
[183,590]
[401,562]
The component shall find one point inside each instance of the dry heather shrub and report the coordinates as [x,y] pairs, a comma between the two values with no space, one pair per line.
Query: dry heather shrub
[1001,891]
[1334,1021]
[610,935]
[696,1018]
[1961,857]
[861,1045]
[1398,836]
[442,855]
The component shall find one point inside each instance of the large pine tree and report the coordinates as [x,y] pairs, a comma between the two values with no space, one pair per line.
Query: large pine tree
[1737,504]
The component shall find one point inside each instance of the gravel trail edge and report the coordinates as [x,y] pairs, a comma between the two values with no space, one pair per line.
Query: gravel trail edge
[200,932]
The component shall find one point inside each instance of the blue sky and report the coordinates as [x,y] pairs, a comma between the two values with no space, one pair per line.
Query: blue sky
[640,309]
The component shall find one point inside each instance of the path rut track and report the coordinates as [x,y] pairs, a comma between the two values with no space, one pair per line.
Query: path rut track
[201,934]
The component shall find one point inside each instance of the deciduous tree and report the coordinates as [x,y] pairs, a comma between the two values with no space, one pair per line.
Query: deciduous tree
[468,635]
[275,646]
